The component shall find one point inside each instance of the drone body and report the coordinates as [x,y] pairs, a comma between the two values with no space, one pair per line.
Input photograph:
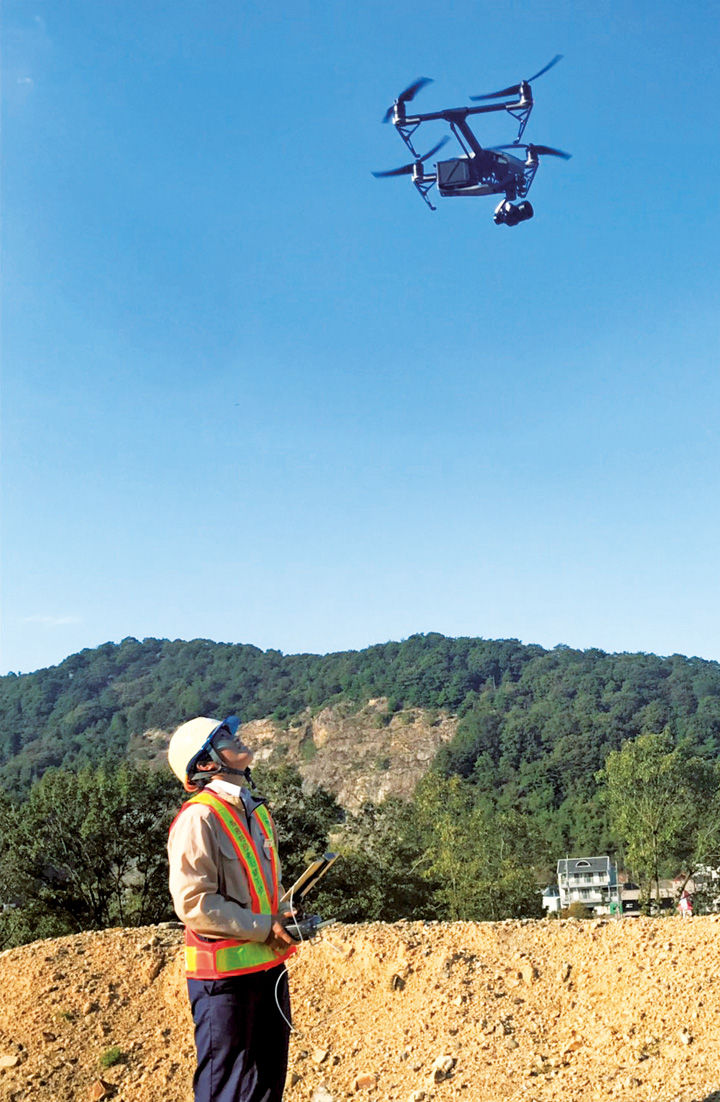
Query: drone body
[479,170]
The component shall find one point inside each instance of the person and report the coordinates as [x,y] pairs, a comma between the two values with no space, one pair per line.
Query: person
[685,906]
[225,885]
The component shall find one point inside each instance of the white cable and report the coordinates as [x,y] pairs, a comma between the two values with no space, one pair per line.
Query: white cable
[277,1002]
[285,973]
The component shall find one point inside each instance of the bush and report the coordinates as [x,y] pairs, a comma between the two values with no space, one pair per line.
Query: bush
[576,910]
[111,1056]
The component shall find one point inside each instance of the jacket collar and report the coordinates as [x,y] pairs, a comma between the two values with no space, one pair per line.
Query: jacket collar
[226,788]
[238,793]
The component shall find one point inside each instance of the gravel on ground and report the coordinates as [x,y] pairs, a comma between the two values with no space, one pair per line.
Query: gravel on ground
[522,1011]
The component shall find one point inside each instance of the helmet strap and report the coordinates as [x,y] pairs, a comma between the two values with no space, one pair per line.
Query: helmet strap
[225,768]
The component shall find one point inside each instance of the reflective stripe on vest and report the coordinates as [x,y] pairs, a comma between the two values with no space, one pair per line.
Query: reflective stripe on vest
[207,959]
[213,960]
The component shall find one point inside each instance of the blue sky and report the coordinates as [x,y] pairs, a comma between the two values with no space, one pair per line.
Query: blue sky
[252,394]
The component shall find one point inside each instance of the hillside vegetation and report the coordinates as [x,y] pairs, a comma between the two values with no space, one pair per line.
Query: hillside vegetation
[449,774]
[533,726]
[95,700]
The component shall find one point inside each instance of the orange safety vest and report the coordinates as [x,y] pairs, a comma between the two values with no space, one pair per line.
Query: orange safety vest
[207,959]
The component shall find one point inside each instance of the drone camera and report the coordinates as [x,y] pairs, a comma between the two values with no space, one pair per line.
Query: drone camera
[510,214]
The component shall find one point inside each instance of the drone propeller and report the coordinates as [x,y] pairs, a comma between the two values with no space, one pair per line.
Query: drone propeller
[410,92]
[548,151]
[405,170]
[537,150]
[515,88]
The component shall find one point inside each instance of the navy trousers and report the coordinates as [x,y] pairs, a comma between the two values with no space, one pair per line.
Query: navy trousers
[241,1037]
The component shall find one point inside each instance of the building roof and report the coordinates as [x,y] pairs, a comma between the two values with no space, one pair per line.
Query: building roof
[569,865]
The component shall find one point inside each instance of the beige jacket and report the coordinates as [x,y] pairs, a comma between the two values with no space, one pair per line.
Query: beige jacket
[207,881]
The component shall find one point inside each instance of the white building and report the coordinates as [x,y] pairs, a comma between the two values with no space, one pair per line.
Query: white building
[551,899]
[592,881]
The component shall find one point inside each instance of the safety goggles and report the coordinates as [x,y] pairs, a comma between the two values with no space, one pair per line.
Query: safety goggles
[225,741]
[226,730]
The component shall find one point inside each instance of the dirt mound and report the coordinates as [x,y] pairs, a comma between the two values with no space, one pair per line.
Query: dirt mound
[409,1012]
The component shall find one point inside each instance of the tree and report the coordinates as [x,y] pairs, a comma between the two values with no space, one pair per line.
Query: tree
[474,855]
[378,875]
[662,805]
[88,850]
[85,851]
[303,817]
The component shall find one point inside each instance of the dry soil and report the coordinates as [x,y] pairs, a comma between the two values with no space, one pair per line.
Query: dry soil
[569,1010]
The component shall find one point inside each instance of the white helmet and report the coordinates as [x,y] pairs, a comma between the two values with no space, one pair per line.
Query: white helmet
[191,741]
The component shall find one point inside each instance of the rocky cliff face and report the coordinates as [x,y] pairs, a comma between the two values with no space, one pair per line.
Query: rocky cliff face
[358,755]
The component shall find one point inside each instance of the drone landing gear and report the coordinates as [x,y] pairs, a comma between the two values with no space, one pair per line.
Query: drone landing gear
[522,112]
[509,214]
[423,183]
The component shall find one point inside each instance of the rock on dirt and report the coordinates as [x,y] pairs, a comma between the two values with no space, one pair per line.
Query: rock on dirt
[485,1012]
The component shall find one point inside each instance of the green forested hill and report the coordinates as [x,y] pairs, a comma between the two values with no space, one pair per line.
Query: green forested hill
[94,701]
[534,727]
[536,742]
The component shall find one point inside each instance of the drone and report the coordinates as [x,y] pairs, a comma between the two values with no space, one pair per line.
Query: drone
[506,170]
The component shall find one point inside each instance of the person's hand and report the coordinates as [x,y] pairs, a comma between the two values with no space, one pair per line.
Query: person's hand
[278,939]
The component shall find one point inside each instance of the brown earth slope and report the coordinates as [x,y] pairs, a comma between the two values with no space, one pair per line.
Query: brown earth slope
[357,753]
[411,1011]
